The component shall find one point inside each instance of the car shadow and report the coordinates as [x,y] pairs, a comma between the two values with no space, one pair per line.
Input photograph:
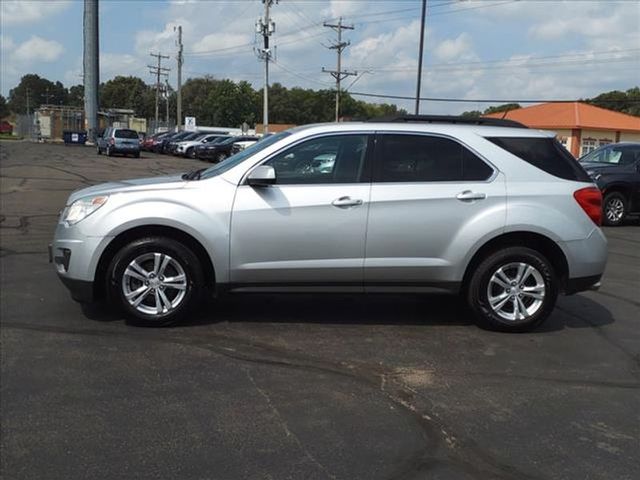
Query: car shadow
[576,311]
[382,309]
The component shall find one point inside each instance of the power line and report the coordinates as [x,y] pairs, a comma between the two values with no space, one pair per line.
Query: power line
[484,100]
[303,77]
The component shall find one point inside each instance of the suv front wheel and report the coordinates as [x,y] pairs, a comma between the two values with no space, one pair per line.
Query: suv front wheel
[513,290]
[156,281]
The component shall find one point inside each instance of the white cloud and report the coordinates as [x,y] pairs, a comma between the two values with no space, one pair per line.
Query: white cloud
[15,12]
[6,43]
[114,64]
[37,49]
[218,41]
[340,8]
[455,48]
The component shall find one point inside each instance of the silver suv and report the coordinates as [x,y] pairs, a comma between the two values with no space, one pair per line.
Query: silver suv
[498,213]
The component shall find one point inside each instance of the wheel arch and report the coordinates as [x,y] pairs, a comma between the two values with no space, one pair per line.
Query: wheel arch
[536,241]
[123,238]
[619,187]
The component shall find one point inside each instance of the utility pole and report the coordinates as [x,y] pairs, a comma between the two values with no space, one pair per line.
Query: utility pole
[339,74]
[91,66]
[266,27]
[179,99]
[166,93]
[47,96]
[424,14]
[157,71]
[28,93]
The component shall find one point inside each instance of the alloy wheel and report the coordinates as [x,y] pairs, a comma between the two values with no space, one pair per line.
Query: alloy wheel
[516,291]
[154,283]
[614,210]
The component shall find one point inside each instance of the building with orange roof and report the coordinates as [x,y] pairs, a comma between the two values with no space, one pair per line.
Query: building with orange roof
[580,127]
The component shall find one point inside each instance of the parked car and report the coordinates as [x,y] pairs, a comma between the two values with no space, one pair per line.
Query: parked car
[151,140]
[239,146]
[615,168]
[6,127]
[119,140]
[486,208]
[202,151]
[187,148]
[163,142]
[172,145]
[222,150]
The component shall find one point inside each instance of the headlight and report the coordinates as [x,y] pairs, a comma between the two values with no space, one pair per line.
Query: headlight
[82,208]
[595,176]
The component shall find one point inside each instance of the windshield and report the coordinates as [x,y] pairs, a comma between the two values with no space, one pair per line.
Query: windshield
[241,156]
[191,136]
[620,155]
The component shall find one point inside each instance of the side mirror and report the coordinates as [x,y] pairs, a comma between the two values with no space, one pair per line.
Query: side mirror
[262,176]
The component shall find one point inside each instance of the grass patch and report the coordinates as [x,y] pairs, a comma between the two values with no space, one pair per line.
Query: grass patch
[8,136]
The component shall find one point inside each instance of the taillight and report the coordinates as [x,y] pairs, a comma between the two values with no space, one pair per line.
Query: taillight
[590,199]
[112,141]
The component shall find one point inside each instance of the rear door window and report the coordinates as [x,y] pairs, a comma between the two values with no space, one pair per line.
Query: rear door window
[423,158]
[547,154]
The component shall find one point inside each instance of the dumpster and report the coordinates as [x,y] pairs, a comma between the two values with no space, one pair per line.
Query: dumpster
[74,137]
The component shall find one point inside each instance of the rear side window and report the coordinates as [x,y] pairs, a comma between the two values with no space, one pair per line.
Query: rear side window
[126,134]
[421,158]
[544,153]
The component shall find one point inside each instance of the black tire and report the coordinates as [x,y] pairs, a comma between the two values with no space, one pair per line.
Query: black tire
[190,153]
[479,286]
[220,157]
[109,152]
[139,250]
[99,151]
[614,209]
[136,155]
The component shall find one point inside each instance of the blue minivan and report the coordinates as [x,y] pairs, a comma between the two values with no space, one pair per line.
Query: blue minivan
[119,140]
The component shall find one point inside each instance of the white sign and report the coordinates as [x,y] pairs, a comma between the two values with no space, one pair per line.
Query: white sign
[74,137]
[190,124]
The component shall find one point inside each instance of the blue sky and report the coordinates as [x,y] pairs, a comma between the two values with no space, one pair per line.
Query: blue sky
[475,49]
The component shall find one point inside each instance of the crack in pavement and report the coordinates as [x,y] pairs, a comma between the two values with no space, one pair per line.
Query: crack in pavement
[285,426]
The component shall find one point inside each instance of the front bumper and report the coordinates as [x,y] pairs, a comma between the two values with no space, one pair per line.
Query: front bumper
[81,290]
[205,154]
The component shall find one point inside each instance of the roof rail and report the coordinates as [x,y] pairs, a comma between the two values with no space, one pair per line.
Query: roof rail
[490,122]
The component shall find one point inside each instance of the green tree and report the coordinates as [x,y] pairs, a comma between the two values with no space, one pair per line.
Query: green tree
[502,108]
[471,114]
[131,93]
[75,97]
[4,109]
[38,91]
[625,102]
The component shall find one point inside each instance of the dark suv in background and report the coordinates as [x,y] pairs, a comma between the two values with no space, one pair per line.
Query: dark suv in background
[616,170]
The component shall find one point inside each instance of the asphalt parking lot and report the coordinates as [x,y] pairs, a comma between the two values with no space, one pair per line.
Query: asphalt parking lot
[300,387]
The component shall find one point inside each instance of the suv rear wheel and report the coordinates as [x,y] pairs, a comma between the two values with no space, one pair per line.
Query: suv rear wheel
[156,281]
[513,290]
[614,209]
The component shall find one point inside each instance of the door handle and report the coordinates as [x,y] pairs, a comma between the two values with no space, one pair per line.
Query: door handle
[344,202]
[468,196]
